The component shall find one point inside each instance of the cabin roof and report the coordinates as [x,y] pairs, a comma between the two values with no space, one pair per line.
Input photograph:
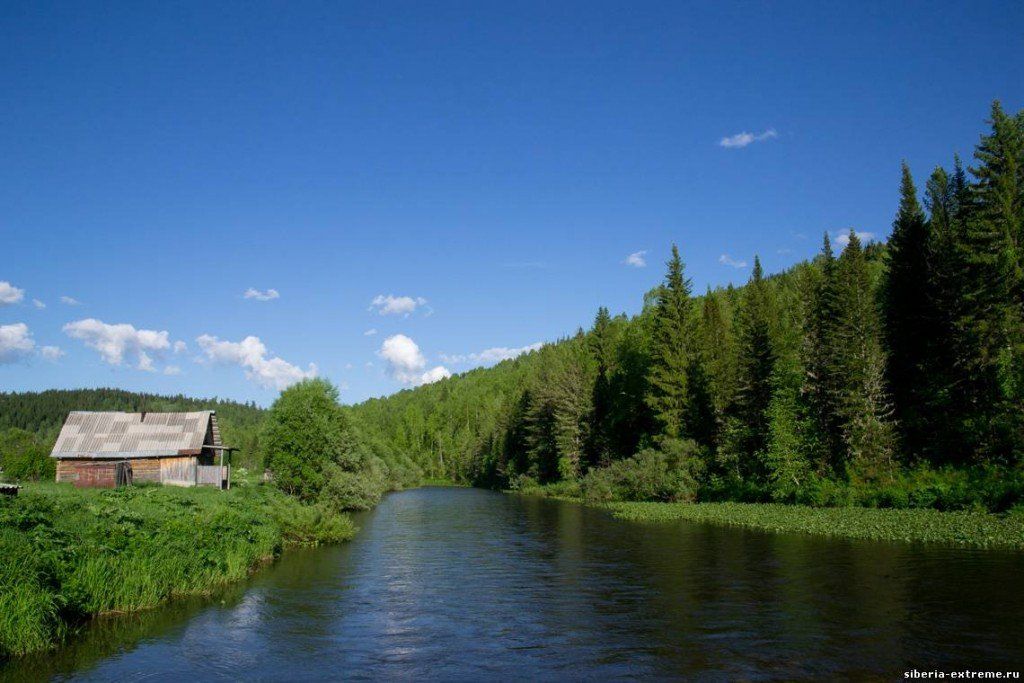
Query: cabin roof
[135,435]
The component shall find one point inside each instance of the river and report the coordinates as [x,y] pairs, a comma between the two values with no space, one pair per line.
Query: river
[464,584]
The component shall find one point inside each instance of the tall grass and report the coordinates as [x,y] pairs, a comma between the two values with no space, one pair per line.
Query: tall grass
[68,554]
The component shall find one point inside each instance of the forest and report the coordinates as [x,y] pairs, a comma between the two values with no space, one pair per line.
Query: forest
[885,375]
[873,376]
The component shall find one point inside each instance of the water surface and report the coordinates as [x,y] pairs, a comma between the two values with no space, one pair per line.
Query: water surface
[464,584]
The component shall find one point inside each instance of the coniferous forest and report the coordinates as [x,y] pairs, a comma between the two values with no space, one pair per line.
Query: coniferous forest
[875,374]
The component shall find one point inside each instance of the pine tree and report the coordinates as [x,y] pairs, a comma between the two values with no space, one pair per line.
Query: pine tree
[908,316]
[864,406]
[756,365]
[671,351]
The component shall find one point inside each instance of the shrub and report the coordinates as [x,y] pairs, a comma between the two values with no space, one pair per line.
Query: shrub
[23,457]
[347,490]
[668,473]
[522,483]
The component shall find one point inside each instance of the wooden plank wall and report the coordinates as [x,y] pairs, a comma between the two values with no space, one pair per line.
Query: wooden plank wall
[145,469]
[88,473]
[210,475]
[180,471]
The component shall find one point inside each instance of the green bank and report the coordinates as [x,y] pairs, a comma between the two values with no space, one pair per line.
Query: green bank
[961,528]
[67,554]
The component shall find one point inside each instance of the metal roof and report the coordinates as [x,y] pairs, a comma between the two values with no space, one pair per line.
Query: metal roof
[134,435]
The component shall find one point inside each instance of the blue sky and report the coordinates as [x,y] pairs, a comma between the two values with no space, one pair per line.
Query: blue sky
[488,166]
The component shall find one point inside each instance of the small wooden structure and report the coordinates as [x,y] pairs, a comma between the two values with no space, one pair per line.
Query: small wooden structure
[9,489]
[109,449]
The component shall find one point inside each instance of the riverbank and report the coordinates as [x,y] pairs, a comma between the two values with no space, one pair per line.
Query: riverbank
[960,528]
[69,554]
[965,529]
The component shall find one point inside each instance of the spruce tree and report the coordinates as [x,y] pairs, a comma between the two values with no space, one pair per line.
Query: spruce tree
[908,316]
[718,353]
[990,324]
[821,354]
[671,350]
[756,365]
[942,436]
[601,342]
[864,405]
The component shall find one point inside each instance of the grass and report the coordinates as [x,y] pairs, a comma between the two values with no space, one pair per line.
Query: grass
[69,554]
[962,528]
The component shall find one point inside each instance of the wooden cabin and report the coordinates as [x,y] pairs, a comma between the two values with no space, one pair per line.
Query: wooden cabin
[108,449]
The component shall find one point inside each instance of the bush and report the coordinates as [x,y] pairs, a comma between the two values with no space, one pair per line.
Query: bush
[23,457]
[523,483]
[346,490]
[666,474]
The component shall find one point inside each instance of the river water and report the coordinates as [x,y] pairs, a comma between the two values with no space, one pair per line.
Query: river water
[464,584]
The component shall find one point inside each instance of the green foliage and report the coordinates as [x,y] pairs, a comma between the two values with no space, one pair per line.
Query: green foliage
[671,351]
[305,430]
[910,319]
[864,407]
[348,490]
[747,438]
[826,383]
[24,457]
[668,473]
[67,554]
[969,529]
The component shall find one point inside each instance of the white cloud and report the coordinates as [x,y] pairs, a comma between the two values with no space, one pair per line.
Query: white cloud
[268,295]
[843,238]
[115,342]
[370,332]
[490,356]
[16,343]
[172,370]
[636,259]
[70,301]
[396,305]
[9,294]
[180,347]
[407,363]
[51,353]
[38,304]
[434,375]
[743,139]
[727,260]
[251,354]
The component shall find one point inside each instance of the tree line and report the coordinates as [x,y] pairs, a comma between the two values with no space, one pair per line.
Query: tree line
[882,374]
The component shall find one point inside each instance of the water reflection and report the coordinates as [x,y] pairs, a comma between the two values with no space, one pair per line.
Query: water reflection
[462,584]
